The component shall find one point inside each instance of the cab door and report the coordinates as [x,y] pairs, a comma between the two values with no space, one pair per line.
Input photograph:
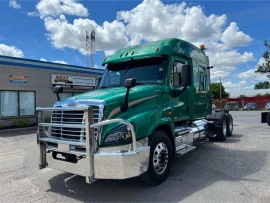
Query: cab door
[179,103]
[200,97]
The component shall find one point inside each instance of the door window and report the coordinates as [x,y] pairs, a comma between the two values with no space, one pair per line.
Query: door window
[202,81]
[176,77]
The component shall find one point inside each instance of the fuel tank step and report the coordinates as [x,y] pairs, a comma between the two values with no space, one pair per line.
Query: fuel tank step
[184,150]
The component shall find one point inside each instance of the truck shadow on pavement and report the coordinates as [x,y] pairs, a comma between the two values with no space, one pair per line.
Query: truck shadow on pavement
[200,170]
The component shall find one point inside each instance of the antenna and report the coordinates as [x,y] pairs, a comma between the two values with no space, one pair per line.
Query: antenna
[90,48]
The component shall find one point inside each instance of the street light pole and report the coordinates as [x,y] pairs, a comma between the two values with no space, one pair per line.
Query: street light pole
[220,88]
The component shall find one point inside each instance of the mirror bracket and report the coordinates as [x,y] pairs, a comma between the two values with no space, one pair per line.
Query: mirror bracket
[129,83]
[58,90]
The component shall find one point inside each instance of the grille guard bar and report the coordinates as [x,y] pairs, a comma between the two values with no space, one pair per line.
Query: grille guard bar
[91,144]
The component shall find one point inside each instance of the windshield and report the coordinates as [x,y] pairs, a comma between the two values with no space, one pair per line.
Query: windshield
[145,71]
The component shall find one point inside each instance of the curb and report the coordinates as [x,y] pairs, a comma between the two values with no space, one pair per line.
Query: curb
[18,130]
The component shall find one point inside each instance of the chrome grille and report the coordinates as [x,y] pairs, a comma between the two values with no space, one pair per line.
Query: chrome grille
[72,117]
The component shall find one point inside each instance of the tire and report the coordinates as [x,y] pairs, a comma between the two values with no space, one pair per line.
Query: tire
[156,174]
[212,139]
[268,119]
[222,130]
[229,126]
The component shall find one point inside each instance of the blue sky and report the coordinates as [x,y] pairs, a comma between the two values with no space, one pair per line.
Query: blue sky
[38,36]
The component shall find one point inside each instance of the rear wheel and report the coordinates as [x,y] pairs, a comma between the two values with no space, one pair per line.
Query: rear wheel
[222,130]
[161,155]
[229,126]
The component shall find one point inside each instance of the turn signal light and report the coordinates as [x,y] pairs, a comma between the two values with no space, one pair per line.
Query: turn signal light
[202,47]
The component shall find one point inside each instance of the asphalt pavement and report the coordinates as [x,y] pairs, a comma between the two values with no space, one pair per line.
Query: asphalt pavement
[237,170]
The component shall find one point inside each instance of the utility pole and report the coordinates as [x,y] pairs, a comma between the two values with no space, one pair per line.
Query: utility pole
[220,88]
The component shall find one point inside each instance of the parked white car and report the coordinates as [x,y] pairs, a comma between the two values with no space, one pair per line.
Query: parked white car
[267,105]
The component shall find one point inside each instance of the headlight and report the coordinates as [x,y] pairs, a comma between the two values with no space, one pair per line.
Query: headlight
[119,135]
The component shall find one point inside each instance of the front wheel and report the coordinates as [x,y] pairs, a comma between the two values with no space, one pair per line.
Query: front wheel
[161,155]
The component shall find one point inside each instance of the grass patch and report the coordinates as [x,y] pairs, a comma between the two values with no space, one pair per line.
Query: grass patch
[21,122]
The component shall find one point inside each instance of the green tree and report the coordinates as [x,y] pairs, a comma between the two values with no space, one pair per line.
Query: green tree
[242,96]
[262,85]
[264,68]
[267,95]
[259,95]
[215,90]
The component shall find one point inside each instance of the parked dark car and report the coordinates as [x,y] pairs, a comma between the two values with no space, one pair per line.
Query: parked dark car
[231,106]
[251,106]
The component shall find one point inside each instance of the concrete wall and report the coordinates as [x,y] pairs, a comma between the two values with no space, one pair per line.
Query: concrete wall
[38,80]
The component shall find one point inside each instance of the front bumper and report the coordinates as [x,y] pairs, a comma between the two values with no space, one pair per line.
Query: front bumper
[86,159]
[107,165]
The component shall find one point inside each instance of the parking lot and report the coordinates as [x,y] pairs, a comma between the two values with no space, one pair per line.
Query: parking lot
[237,170]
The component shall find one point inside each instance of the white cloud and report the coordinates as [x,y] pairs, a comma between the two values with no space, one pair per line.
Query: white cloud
[238,88]
[230,59]
[150,20]
[63,34]
[58,7]
[251,75]
[32,14]
[109,52]
[232,37]
[61,62]
[230,85]
[43,59]
[10,51]
[14,4]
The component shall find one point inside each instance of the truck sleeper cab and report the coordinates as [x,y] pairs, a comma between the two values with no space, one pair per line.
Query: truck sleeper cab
[153,103]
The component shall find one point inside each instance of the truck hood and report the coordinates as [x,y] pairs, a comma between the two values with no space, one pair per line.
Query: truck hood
[111,97]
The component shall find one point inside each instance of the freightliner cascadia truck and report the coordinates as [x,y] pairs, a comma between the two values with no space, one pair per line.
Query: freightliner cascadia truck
[152,104]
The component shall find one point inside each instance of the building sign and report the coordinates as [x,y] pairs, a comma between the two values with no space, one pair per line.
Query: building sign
[72,81]
[17,79]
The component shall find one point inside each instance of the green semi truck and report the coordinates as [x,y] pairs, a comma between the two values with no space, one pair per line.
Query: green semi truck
[152,104]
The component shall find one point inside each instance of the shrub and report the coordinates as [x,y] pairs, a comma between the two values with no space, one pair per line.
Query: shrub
[216,102]
[223,101]
[242,96]
[259,95]
[21,122]
[1,126]
[267,95]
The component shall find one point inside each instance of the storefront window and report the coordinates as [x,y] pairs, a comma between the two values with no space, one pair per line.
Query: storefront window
[27,103]
[17,103]
[9,103]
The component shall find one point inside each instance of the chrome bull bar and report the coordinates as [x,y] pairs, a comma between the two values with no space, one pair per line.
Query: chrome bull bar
[91,163]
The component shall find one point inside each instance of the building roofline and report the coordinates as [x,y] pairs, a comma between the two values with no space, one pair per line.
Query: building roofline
[45,62]
[25,65]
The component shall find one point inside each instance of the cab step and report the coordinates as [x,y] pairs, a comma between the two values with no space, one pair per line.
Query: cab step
[184,151]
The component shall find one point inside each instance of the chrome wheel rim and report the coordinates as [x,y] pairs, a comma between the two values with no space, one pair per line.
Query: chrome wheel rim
[224,128]
[231,125]
[160,158]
